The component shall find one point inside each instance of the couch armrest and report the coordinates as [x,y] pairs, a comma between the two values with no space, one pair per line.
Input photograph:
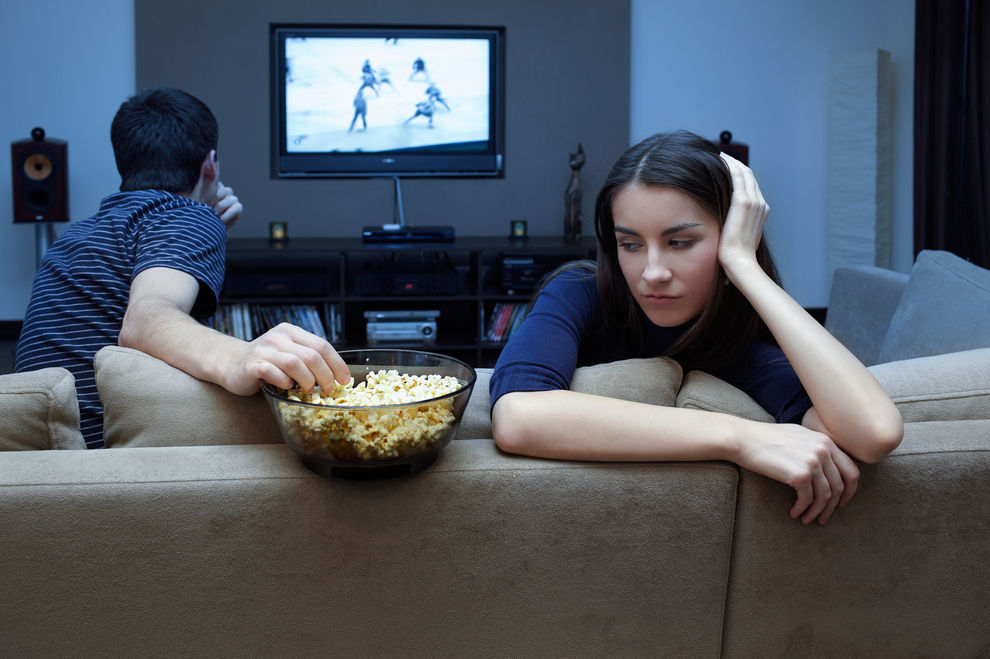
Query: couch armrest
[39,410]
[860,306]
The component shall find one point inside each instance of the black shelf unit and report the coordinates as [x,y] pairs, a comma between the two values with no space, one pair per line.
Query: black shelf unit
[344,277]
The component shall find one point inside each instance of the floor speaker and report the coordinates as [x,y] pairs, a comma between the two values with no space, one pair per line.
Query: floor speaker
[737,150]
[39,168]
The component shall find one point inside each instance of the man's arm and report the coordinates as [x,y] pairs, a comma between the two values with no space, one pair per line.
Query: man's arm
[157,322]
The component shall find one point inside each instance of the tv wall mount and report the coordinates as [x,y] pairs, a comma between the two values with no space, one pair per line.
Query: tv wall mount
[398,232]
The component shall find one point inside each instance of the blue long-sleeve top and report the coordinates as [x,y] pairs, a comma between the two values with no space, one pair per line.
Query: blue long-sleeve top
[559,335]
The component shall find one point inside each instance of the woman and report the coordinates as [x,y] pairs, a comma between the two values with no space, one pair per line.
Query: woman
[683,271]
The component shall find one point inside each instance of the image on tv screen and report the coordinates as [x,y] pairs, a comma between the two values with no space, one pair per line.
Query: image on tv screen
[377,94]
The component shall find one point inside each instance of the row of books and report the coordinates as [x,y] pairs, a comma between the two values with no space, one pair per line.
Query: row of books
[248,321]
[506,317]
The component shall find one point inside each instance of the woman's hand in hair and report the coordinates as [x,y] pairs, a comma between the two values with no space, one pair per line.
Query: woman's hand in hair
[748,210]
[821,473]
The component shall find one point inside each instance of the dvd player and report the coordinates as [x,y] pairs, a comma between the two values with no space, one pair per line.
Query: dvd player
[394,233]
[399,326]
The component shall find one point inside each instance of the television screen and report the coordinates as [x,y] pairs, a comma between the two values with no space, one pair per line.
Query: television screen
[387,101]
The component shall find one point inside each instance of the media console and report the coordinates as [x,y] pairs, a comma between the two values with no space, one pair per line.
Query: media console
[473,288]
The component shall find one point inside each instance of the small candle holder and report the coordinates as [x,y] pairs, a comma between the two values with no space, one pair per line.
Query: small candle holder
[278,231]
[517,229]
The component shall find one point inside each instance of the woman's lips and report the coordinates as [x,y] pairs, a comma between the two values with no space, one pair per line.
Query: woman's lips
[660,299]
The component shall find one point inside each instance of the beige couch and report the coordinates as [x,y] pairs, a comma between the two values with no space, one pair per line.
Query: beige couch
[199,533]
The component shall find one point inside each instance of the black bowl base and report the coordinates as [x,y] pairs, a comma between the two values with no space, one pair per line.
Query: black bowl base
[410,466]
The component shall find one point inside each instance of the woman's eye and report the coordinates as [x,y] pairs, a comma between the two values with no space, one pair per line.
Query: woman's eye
[681,244]
[628,246]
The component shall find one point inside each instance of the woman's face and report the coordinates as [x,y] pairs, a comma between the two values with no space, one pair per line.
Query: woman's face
[668,251]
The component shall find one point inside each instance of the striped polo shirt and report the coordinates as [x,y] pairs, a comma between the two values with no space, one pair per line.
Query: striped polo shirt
[81,289]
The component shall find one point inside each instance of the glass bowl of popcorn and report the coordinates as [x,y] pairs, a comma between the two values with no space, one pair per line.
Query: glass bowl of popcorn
[399,409]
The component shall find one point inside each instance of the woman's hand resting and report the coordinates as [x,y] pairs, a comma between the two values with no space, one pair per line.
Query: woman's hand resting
[823,476]
[748,210]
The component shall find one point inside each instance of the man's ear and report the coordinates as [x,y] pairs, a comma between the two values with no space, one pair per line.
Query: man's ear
[209,170]
[209,173]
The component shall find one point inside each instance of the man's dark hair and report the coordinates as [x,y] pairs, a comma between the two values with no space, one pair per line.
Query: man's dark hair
[160,138]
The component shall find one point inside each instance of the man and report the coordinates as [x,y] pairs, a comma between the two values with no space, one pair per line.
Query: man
[425,109]
[148,267]
[360,110]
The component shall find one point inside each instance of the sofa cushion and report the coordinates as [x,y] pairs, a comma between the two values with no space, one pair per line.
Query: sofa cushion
[861,303]
[907,557]
[39,411]
[243,551]
[949,387]
[147,402]
[943,309]
[653,380]
[703,391]
[476,423]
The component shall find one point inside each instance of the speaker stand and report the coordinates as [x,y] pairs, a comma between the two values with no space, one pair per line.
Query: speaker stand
[44,236]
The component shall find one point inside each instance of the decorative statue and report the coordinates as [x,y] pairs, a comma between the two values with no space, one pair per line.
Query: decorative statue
[572,197]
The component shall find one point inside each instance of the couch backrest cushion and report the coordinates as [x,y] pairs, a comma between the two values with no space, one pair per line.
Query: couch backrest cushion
[243,551]
[476,423]
[949,387]
[147,402]
[703,391]
[652,380]
[861,303]
[39,410]
[943,309]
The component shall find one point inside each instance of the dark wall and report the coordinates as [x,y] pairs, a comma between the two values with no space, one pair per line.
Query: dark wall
[567,81]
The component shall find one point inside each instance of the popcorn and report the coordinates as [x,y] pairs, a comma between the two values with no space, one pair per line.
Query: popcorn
[378,432]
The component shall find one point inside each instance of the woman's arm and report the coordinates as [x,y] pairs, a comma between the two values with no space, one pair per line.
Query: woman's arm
[534,413]
[848,404]
[569,425]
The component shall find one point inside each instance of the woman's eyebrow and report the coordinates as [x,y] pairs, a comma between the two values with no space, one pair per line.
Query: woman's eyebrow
[665,232]
[679,228]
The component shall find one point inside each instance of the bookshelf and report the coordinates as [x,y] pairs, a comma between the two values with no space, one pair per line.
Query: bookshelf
[480,288]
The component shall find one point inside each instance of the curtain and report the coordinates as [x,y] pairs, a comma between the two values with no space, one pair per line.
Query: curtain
[952,128]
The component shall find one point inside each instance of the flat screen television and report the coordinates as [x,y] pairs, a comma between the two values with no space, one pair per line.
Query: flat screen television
[372,100]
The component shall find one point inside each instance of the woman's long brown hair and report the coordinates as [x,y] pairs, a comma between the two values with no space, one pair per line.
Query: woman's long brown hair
[691,164]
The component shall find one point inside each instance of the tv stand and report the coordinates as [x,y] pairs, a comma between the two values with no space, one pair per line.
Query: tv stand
[398,232]
[466,284]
